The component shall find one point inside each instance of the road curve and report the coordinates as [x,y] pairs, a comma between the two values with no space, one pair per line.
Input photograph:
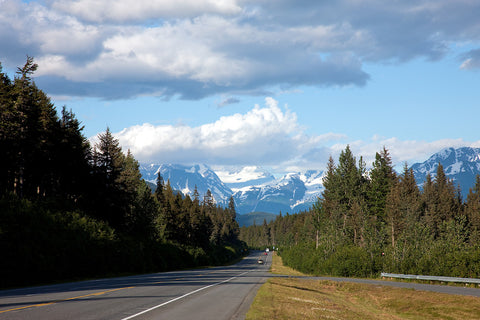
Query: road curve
[213,293]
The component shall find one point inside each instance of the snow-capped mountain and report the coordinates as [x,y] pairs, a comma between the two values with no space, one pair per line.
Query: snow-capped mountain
[185,178]
[461,165]
[313,180]
[242,177]
[275,196]
[253,188]
[293,192]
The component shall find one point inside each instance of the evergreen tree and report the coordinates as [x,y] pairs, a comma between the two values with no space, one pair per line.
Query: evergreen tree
[141,209]
[44,156]
[440,201]
[403,211]
[231,224]
[112,196]
[140,220]
[9,128]
[24,107]
[73,155]
[382,177]
[350,192]
[159,191]
[472,211]
[167,215]
[327,208]
[266,235]
[199,223]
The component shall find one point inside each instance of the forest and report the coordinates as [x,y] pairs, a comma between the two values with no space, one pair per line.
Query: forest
[368,222]
[70,210]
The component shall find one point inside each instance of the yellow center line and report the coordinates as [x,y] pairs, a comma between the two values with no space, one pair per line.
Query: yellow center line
[63,300]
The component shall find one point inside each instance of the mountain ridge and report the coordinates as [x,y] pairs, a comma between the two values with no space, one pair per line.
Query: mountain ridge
[461,165]
[291,193]
[255,189]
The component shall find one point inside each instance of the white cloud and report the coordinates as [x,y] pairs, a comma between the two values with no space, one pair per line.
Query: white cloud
[266,135]
[138,10]
[216,53]
[196,48]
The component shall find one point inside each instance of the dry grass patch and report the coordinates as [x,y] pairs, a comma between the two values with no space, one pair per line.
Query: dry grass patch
[293,298]
[290,298]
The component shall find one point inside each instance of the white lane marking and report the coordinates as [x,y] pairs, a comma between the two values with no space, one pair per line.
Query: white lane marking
[185,295]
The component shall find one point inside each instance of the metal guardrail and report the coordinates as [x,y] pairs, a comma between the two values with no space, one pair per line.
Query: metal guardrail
[430,278]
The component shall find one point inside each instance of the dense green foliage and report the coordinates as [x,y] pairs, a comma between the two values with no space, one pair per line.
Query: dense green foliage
[366,223]
[252,218]
[69,210]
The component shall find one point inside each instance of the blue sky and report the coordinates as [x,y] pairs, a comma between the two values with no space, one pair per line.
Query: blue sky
[280,84]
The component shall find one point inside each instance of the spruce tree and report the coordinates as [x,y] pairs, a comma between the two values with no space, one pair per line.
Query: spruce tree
[9,128]
[231,221]
[403,212]
[472,211]
[382,177]
[140,220]
[159,191]
[73,155]
[350,192]
[440,201]
[112,197]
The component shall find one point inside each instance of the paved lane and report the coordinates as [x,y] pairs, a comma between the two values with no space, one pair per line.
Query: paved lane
[214,293]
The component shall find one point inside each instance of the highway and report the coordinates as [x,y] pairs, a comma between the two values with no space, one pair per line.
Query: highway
[212,293]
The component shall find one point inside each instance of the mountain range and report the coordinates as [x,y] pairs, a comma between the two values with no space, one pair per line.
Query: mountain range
[459,164]
[254,189]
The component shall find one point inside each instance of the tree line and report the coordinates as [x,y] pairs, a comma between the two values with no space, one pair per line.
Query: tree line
[367,222]
[72,210]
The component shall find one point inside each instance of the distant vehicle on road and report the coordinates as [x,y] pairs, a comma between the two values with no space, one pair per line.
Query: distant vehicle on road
[260,261]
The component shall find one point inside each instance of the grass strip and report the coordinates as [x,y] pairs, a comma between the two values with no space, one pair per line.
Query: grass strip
[292,298]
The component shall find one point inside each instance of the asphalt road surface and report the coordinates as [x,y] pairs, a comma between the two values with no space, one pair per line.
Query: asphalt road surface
[213,293]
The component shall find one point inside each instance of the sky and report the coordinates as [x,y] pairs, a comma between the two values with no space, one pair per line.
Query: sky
[281,84]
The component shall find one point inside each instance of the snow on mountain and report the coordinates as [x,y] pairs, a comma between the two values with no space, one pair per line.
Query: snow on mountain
[185,178]
[256,189]
[238,178]
[313,180]
[461,165]
[291,193]
[253,188]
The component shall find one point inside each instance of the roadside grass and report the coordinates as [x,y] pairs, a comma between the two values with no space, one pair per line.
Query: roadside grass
[277,267]
[293,298]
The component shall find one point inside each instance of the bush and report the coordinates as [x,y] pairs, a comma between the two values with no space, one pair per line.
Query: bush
[347,261]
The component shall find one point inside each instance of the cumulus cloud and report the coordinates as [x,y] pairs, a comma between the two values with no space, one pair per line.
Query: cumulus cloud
[267,135]
[194,59]
[196,48]
[134,10]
